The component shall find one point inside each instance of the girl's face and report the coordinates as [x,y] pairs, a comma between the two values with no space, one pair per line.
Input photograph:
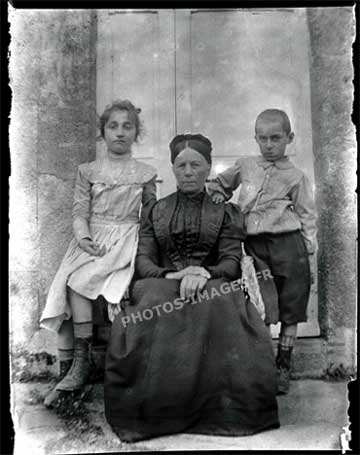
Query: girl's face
[119,133]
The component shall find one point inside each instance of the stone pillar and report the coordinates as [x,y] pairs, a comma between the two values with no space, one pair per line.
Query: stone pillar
[331,36]
[53,128]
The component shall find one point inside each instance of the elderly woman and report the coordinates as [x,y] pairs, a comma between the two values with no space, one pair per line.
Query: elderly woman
[192,354]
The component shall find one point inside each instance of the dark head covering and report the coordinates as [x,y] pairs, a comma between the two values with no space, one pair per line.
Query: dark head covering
[197,142]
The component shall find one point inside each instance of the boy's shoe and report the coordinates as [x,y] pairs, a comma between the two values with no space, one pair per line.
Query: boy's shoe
[283,380]
[283,361]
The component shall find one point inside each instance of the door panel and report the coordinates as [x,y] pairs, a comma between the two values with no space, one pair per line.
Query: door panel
[136,61]
[209,71]
[231,65]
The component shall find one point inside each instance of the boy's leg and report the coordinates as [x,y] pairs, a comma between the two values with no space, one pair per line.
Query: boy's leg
[79,372]
[256,247]
[283,359]
[292,277]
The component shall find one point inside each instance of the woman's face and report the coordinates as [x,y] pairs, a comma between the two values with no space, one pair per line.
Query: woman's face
[119,132]
[191,171]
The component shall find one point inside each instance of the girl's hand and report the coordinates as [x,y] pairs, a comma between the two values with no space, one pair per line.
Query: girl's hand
[91,247]
[218,198]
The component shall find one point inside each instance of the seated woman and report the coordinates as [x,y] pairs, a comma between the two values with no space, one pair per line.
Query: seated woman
[192,354]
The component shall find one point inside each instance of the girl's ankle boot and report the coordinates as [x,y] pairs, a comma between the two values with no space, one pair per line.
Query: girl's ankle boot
[52,397]
[80,369]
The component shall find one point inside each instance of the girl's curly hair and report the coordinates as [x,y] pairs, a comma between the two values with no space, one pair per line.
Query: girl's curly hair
[122,105]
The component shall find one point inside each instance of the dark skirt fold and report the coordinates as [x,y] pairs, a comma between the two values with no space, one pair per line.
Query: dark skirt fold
[204,367]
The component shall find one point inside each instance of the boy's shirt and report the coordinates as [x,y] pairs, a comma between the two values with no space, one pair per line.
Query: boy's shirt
[275,197]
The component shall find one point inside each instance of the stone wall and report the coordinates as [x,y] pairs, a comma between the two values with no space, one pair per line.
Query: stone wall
[331,36]
[52,76]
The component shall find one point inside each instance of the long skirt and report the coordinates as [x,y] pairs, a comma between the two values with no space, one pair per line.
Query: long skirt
[204,366]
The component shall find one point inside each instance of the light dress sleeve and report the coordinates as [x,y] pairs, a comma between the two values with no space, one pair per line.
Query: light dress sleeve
[81,206]
[302,197]
[226,182]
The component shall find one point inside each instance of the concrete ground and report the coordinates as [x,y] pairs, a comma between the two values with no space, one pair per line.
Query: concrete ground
[312,417]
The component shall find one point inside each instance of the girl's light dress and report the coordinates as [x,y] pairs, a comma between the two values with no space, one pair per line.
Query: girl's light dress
[108,198]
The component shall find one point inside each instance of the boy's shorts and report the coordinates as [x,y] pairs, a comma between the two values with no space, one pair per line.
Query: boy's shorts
[286,293]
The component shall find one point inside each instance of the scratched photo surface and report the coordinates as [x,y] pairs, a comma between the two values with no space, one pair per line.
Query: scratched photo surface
[208,71]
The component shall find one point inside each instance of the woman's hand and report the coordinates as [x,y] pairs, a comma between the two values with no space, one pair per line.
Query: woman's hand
[191,285]
[218,197]
[191,270]
[91,247]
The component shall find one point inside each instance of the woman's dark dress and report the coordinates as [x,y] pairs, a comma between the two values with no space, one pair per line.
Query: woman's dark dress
[205,367]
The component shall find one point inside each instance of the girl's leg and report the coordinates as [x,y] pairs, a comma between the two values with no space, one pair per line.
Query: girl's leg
[65,342]
[81,309]
[285,347]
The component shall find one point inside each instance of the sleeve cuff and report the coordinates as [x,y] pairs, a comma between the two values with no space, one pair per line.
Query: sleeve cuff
[81,229]
[165,271]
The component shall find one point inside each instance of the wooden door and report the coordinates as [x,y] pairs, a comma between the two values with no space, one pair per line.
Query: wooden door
[135,60]
[209,71]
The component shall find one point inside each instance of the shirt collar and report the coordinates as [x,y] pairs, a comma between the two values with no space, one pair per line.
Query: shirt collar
[282,163]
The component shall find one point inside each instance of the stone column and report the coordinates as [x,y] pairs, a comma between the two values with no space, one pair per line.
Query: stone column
[53,68]
[331,36]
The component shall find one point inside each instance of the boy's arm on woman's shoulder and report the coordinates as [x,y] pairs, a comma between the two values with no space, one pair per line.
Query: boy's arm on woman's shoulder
[227,181]
[81,206]
[303,199]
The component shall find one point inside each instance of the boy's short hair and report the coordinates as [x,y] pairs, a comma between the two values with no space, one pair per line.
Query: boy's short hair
[273,115]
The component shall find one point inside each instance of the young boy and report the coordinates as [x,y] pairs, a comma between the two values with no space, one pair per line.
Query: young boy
[280,217]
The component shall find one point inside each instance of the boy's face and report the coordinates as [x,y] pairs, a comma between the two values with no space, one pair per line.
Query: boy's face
[272,139]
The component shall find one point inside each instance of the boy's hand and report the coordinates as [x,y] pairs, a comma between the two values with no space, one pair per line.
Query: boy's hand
[91,247]
[218,198]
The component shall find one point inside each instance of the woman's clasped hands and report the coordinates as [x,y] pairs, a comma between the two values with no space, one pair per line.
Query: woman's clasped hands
[193,280]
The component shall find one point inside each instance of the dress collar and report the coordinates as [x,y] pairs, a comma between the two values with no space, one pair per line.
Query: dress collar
[282,163]
[196,198]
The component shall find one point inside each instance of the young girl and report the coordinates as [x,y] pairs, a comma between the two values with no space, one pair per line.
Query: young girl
[99,261]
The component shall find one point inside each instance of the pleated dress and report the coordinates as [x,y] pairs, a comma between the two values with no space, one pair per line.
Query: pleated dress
[108,198]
